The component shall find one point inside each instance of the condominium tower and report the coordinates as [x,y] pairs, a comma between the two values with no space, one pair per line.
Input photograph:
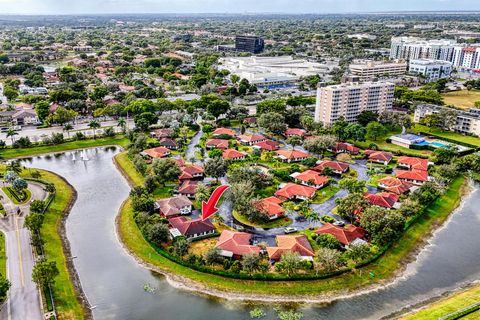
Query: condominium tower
[348,100]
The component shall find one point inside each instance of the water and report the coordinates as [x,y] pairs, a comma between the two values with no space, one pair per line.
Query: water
[114,282]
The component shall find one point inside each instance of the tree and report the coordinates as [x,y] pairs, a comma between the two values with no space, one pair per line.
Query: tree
[10,93]
[165,170]
[241,195]
[44,273]
[218,107]
[68,127]
[277,106]
[289,262]
[383,225]
[375,130]
[61,116]
[213,256]
[11,133]
[351,205]
[320,145]
[202,193]
[365,117]
[355,132]
[329,259]
[157,233]
[4,287]
[94,125]
[352,185]
[445,155]
[339,128]
[410,208]
[216,167]
[43,109]
[20,184]
[144,120]
[430,120]
[328,241]
[37,206]
[294,141]
[15,167]
[447,119]
[180,246]
[272,122]
[122,124]
[358,252]
[251,262]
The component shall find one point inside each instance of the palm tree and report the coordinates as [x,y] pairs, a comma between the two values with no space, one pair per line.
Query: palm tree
[15,167]
[11,133]
[67,127]
[122,124]
[94,125]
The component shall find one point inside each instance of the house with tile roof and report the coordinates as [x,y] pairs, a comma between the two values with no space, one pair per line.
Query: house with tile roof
[290,132]
[291,155]
[163,133]
[417,177]
[310,178]
[267,145]
[382,157]
[188,188]
[345,147]
[285,243]
[336,166]
[250,140]
[217,143]
[235,245]
[169,143]
[234,155]
[413,163]
[189,172]
[386,200]
[158,152]
[191,229]
[346,236]
[295,191]
[223,131]
[271,207]
[395,185]
[175,206]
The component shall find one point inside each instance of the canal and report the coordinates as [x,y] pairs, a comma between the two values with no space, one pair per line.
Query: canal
[114,282]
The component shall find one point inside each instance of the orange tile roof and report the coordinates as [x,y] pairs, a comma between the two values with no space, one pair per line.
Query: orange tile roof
[158,152]
[295,132]
[268,145]
[344,235]
[285,243]
[270,206]
[291,190]
[189,171]
[251,138]
[395,185]
[310,175]
[221,131]
[379,155]
[418,175]
[217,143]
[233,154]
[236,242]
[334,165]
[292,154]
[414,163]
[382,199]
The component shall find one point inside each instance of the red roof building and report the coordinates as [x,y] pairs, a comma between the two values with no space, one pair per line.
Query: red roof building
[342,147]
[191,172]
[232,154]
[271,207]
[158,152]
[267,145]
[382,157]
[413,163]
[345,235]
[336,166]
[188,188]
[163,133]
[295,191]
[291,155]
[383,199]
[175,206]
[168,143]
[223,131]
[250,140]
[295,132]
[190,228]
[217,143]
[310,178]
[417,177]
[235,244]
[394,185]
[286,243]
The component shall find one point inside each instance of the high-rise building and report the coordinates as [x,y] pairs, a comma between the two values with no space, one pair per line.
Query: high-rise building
[251,44]
[348,100]
[431,69]
[467,57]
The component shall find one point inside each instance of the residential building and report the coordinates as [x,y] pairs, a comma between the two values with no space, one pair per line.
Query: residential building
[271,207]
[382,157]
[467,57]
[336,166]
[189,172]
[158,152]
[188,188]
[172,207]
[295,132]
[395,185]
[348,100]
[162,133]
[310,178]
[298,244]
[291,155]
[267,145]
[168,143]
[406,139]
[235,245]
[217,143]
[234,155]
[191,229]
[467,122]
[431,69]
[369,69]
[295,191]
[350,235]
[19,118]
[409,48]
[413,163]
[417,177]
[345,147]
[223,132]
[386,200]
[250,140]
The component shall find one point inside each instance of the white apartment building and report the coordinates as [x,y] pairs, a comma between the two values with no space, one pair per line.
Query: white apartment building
[348,100]
[467,57]
[415,48]
[431,69]
[467,121]
[369,69]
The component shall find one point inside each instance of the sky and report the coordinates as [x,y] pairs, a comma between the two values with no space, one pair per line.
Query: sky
[228,6]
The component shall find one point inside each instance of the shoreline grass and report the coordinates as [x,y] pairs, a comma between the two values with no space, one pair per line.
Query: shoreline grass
[3,255]
[383,269]
[9,153]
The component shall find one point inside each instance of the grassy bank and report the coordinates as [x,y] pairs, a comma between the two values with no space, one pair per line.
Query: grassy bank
[8,153]
[383,269]
[3,256]
[448,305]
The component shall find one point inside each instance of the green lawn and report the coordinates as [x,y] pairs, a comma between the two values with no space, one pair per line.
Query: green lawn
[463,99]
[280,222]
[373,181]
[326,193]
[448,305]
[71,145]
[9,194]
[447,134]
[131,174]
[385,146]
[3,256]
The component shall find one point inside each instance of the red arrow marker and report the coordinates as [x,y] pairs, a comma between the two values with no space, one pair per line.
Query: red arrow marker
[208,208]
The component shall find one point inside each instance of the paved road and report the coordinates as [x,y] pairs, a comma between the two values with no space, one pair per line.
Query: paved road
[24,299]
[37,134]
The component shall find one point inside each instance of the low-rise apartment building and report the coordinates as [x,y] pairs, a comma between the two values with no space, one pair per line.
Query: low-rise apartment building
[467,121]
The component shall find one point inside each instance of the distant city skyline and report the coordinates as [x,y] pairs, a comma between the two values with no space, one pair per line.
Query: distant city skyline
[229,6]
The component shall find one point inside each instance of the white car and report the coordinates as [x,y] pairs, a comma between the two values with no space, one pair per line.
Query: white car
[288,230]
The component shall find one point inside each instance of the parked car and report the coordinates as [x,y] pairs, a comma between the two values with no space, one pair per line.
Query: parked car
[288,230]
[339,223]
